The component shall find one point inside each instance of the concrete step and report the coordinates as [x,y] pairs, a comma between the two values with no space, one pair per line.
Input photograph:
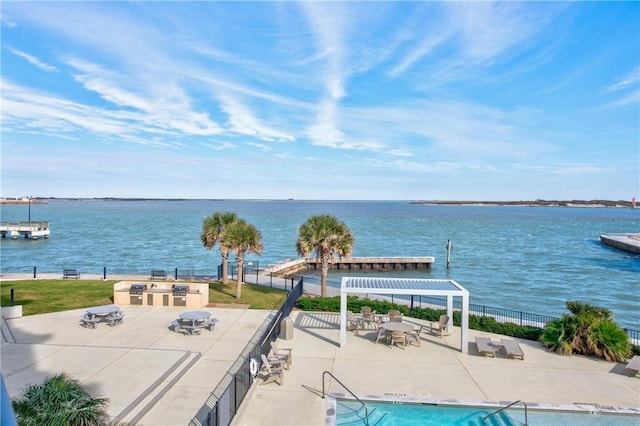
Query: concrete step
[135,411]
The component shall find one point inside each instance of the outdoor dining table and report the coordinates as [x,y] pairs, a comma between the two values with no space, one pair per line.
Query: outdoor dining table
[392,326]
[103,310]
[106,313]
[397,326]
[193,321]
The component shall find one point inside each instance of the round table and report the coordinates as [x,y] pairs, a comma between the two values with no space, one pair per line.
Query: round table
[195,315]
[103,310]
[397,326]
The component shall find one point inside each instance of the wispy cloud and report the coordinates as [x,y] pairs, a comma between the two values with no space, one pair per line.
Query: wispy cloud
[627,88]
[242,121]
[34,61]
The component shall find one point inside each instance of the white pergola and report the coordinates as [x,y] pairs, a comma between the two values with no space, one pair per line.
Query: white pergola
[410,287]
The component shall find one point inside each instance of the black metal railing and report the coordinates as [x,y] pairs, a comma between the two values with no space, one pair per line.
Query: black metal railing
[225,400]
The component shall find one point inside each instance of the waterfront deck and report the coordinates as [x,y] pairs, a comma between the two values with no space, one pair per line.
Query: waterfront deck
[30,230]
[353,264]
[626,242]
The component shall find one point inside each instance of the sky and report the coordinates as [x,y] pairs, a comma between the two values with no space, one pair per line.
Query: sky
[341,100]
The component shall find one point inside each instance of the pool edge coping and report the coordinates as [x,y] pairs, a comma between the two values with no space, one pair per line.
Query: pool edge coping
[576,407]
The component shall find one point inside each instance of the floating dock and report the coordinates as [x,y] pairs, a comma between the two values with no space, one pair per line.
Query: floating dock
[353,264]
[30,230]
[626,242]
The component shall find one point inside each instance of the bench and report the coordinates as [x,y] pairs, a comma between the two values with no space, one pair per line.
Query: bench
[633,367]
[158,274]
[70,273]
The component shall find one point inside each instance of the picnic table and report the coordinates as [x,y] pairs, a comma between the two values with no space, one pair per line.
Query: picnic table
[110,314]
[192,322]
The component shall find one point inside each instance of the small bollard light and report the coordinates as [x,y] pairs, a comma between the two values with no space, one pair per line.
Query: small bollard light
[34,272]
[11,298]
[104,273]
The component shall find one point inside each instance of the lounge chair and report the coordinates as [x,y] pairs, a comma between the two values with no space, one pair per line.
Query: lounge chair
[633,367]
[512,349]
[274,374]
[485,346]
[281,356]
[440,326]
[414,335]
[369,316]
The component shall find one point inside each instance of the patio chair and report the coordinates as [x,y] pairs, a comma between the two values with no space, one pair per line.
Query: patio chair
[369,316]
[382,334]
[274,374]
[512,349]
[398,337]
[440,326]
[414,335]
[277,352]
[485,346]
[352,321]
[395,315]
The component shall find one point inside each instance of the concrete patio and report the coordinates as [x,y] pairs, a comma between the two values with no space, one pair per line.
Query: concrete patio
[437,369]
[142,359]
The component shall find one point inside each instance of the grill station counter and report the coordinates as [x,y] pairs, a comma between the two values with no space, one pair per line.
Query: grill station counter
[190,295]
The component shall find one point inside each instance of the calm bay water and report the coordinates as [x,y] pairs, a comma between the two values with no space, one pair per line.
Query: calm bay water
[524,258]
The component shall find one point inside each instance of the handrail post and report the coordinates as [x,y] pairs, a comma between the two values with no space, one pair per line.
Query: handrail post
[366,412]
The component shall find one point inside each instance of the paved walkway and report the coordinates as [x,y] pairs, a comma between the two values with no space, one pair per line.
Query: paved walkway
[436,369]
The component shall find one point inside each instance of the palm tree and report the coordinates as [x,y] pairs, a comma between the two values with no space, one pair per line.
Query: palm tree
[59,401]
[325,235]
[242,237]
[214,228]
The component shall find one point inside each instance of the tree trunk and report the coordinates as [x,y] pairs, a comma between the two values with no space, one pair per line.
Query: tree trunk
[324,271]
[240,277]
[225,266]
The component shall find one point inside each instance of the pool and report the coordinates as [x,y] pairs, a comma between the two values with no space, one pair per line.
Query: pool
[391,413]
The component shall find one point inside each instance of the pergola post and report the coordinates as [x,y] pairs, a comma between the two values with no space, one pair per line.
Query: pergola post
[450,314]
[464,324]
[343,318]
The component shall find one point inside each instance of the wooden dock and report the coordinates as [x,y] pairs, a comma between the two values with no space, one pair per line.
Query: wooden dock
[30,230]
[626,242]
[353,264]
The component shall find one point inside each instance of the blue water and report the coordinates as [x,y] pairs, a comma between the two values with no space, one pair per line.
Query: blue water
[389,414]
[523,258]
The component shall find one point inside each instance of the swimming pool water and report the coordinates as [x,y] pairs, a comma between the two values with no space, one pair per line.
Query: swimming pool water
[407,414]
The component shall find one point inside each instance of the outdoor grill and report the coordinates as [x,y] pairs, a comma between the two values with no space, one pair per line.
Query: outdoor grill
[180,290]
[137,288]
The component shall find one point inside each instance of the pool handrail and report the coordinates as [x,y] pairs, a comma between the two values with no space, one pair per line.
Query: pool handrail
[526,420]
[366,412]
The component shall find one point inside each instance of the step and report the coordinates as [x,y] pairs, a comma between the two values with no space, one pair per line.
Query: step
[135,411]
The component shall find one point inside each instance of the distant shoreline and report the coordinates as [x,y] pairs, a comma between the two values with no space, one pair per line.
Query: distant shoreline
[521,203]
[536,203]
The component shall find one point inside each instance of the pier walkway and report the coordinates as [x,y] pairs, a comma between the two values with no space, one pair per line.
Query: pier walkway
[626,242]
[32,230]
[353,264]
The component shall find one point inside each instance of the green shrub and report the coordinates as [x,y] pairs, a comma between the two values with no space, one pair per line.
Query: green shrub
[589,330]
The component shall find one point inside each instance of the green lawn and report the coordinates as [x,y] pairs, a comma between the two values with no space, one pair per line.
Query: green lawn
[43,296]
